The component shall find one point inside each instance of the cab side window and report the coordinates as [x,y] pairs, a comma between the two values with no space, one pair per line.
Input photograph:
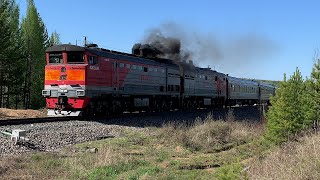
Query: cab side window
[93,60]
[55,58]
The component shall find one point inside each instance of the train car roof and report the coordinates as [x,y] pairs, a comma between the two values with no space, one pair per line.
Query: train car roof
[266,85]
[243,81]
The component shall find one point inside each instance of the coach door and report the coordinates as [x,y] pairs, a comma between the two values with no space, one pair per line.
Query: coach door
[227,89]
[115,76]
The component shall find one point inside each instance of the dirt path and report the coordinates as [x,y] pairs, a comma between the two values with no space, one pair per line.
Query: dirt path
[21,113]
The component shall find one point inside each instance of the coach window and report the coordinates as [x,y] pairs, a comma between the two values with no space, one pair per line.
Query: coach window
[128,66]
[140,68]
[145,69]
[161,88]
[177,88]
[55,58]
[134,67]
[93,60]
[121,65]
[155,70]
[75,57]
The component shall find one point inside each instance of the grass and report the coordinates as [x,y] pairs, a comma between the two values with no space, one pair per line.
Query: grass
[206,149]
[209,135]
[294,160]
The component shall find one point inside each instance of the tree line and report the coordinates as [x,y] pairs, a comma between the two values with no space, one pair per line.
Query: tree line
[22,55]
[295,106]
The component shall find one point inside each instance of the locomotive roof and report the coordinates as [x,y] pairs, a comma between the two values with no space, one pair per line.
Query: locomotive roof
[65,47]
[112,54]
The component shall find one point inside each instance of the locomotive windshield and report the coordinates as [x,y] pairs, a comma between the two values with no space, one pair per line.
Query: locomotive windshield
[75,57]
[55,58]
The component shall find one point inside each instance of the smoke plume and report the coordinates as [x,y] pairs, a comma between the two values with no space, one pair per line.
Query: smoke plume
[181,43]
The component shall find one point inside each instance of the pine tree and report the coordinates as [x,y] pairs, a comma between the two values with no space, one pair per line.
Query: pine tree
[11,54]
[314,93]
[35,37]
[54,39]
[286,115]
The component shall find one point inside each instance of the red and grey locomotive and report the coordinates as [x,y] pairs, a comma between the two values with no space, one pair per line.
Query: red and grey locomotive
[95,80]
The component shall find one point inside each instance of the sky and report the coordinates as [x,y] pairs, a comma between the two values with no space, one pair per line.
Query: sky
[258,39]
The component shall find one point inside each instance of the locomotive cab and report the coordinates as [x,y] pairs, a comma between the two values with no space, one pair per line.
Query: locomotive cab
[65,80]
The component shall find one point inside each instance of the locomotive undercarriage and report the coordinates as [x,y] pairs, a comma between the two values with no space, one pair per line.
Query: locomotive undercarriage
[116,105]
[119,104]
[62,108]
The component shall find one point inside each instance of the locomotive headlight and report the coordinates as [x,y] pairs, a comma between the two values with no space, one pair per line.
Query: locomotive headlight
[46,92]
[80,93]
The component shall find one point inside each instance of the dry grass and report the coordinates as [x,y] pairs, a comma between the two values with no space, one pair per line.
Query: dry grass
[210,135]
[36,166]
[11,168]
[295,160]
[21,113]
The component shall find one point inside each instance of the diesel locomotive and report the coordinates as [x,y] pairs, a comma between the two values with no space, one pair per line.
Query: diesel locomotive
[92,80]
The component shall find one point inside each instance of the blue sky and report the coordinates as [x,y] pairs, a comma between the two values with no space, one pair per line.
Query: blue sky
[290,29]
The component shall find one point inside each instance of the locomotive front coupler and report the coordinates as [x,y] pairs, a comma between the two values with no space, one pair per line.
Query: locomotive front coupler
[62,100]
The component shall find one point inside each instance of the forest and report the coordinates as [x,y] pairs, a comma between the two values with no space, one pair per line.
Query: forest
[22,56]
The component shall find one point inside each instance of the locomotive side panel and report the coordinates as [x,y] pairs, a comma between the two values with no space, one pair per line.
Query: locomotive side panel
[173,81]
[205,85]
[141,79]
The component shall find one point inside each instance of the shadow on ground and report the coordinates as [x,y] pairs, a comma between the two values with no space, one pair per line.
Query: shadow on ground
[157,119]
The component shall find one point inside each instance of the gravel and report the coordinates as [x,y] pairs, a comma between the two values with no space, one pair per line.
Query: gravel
[55,136]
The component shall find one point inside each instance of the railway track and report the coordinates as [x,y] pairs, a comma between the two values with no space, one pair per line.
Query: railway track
[8,122]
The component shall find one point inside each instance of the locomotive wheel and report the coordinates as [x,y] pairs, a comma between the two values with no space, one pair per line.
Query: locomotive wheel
[164,106]
[156,107]
[89,111]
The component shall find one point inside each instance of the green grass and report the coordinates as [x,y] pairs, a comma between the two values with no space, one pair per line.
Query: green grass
[211,150]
